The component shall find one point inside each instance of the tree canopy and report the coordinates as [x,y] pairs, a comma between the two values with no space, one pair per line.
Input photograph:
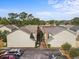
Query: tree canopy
[23,18]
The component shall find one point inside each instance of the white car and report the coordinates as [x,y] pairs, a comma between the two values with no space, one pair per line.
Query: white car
[17,52]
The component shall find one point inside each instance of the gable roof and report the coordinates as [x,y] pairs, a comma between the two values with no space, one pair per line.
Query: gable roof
[25,30]
[12,27]
[54,29]
[74,28]
[30,28]
[67,26]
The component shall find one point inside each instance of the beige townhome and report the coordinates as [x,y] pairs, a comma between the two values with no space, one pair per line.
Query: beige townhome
[8,28]
[58,35]
[21,37]
[76,30]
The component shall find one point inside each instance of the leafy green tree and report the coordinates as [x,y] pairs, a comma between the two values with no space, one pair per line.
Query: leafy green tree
[30,16]
[35,21]
[74,53]
[49,45]
[66,46]
[13,15]
[75,21]
[51,21]
[23,15]
[0,35]
[4,36]
[14,18]
[0,18]
[42,22]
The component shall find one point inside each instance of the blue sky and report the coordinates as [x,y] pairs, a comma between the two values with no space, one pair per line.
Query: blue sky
[43,9]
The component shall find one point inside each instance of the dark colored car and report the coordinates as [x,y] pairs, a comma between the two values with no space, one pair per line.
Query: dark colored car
[7,57]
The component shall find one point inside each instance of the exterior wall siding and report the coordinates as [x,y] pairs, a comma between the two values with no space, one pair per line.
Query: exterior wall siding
[19,39]
[63,37]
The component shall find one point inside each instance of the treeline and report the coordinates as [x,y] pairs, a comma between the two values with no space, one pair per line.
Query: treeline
[21,19]
[74,21]
[24,18]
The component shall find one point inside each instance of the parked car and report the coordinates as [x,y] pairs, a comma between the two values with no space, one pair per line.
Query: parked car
[7,57]
[16,52]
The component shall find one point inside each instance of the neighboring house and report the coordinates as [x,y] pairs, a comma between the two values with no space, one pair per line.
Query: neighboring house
[58,35]
[20,38]
[75,29]
[67,26]
[77,41]
[31,28]
[9,28]
[54,35]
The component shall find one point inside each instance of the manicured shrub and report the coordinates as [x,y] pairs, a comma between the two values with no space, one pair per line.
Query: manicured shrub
[66,46]
[49,45]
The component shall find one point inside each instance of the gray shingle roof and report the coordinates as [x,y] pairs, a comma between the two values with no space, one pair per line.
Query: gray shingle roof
[12,27]
[54,29]
[74,28]
[67,26]
[30,28]
[25,30]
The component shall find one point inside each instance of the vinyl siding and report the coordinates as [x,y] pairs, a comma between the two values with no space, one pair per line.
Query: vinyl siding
[19,39]
[63,37]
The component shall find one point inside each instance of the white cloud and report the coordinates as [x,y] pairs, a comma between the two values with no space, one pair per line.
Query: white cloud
[43,13]
[61,9]
[68,7]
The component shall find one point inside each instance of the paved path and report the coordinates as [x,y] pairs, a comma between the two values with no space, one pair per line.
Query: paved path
[35,53]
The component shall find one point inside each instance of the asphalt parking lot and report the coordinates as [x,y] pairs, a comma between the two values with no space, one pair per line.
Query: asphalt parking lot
[37,53]
[34,53]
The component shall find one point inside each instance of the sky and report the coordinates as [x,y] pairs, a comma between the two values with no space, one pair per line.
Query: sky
[43,9]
